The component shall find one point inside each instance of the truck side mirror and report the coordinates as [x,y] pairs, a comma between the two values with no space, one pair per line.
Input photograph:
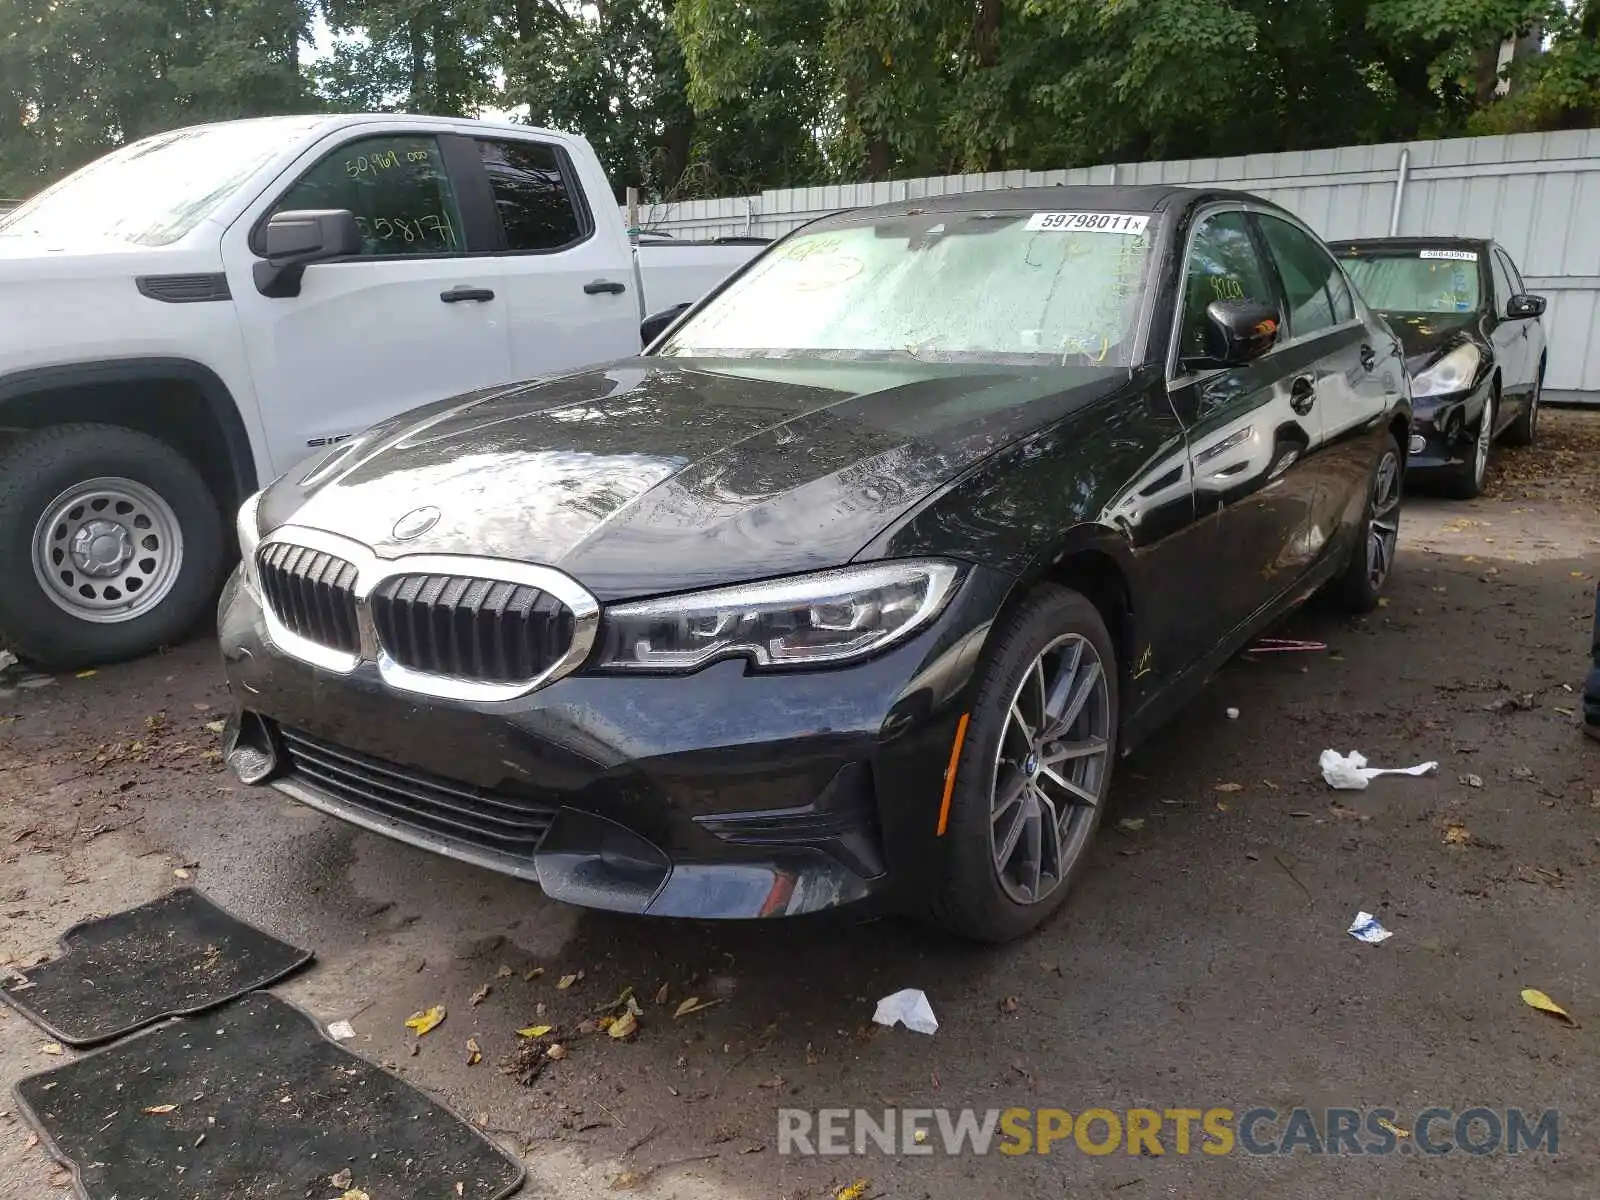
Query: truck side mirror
[654,326]
[292,241]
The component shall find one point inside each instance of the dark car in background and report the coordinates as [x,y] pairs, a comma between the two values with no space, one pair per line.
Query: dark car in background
[1474,342]
[855,584]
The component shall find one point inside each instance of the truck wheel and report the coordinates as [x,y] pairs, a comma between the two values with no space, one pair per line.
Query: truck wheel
[110,545]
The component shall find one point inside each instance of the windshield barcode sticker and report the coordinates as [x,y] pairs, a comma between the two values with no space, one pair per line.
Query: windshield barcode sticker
[1089,222]
[1453,255]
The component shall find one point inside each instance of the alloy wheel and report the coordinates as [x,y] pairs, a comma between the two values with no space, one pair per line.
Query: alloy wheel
[107,550]
[1050,769]
[1383,527]
[1480,451]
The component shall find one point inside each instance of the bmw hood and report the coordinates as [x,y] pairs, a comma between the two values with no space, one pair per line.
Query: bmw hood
[654,475]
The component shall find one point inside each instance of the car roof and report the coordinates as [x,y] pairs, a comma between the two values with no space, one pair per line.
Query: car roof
[1412,243]
[1144,198]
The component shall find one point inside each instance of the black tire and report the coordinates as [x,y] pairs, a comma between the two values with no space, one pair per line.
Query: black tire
[1522,431]
[970,900]
[39,468]
[1357,588]
[1466,483]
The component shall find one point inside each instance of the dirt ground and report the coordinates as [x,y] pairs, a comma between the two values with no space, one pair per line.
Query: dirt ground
[1203,961]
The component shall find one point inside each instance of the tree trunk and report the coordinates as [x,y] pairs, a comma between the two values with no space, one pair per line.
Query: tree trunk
[419,102]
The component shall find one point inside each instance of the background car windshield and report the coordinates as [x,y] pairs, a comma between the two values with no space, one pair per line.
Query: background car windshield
[154,191]
[941,287]
[1412,284]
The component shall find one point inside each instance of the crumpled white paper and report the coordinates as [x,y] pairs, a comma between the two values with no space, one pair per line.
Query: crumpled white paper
[341,1031]
[908,1007]
[1349,772]
[1365,928]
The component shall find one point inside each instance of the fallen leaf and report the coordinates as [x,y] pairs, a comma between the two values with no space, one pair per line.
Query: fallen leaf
[855,1191]
[693,1005]
[661,995]
[1009,1004]
[479,996]
[624,1027]
[1221,807]
[534,973]
[343,1180]
[556,1051]
[535,1031]
[1472,781]
[355,1194]
[51,1048]
[1534,998]
[88,673]
[1457,835]
[157,1110]
[474,1053]
[1229,787]
[1393,1128]
[425,1020]
[1131,824]
[216,726]
[566,982]
[503,973]
[180,873]
[1383,602]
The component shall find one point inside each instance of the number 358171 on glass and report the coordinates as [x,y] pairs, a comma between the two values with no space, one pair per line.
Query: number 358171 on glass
[1131,224]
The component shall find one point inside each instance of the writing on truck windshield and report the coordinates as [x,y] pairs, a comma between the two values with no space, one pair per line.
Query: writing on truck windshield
[1046,287]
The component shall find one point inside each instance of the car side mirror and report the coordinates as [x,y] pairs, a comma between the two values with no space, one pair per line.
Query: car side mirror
[1522,306]
[292,241]
[1239,331]
[655,325]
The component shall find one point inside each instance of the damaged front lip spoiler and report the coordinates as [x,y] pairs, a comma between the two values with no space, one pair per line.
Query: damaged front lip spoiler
[585,859]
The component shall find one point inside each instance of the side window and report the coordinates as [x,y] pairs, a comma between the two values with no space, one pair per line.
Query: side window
[398,188]
[1515,276]
[533,195]
[1223,265]
[1308,273]
[1344,308]
[1502,282]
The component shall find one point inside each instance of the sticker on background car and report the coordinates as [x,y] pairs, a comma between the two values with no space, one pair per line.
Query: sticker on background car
[1453,255]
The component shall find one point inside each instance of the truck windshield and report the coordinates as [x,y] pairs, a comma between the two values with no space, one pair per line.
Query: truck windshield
[943,287]
[152,192]
[1417,281]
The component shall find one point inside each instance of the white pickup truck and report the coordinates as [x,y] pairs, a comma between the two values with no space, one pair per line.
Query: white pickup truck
[191,315]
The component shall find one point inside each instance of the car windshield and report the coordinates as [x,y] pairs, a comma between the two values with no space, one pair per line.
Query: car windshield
[945,287]
[1417,281]
[152,192]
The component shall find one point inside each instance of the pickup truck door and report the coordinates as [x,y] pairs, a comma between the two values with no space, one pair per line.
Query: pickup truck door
[414,318]
[561,256]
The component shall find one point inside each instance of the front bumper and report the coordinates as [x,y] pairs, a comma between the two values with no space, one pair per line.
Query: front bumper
[1444,430]
[722,793]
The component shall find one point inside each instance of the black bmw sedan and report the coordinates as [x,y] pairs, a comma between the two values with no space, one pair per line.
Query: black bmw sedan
[855,584]
[1474,345]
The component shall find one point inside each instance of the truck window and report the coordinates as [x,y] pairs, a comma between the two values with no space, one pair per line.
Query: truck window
[396,186]
[533,195]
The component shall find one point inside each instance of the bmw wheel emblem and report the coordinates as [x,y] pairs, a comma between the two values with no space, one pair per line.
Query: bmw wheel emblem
[416,523]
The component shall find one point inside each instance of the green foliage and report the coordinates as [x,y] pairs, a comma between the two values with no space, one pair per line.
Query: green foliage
[688,98]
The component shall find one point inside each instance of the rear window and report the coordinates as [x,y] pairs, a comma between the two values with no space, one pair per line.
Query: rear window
[1418,281]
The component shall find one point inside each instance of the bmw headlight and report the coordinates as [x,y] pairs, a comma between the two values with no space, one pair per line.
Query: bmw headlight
[803,621]
[1452,373]
[249,541]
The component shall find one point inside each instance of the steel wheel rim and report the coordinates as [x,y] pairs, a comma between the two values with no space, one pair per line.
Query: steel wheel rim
[1049,769]
[107,550]
[1480,463]
[1383,529]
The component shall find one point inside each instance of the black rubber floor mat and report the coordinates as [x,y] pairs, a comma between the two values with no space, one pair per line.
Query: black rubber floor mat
[252,1100]
[173,957]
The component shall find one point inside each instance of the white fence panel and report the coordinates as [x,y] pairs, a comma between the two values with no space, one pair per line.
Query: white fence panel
[1537,193]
